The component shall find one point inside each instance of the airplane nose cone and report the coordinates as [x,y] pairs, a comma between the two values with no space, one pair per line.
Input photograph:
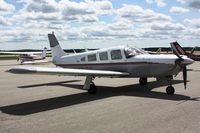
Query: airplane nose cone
[187,61]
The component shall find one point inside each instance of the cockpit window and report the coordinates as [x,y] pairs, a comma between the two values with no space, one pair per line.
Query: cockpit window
[130,52]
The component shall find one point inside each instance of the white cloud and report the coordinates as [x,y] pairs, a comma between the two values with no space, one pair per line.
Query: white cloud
[178,10]
[88,10]
[5,7]
[193,22]
[168,27]
[135,13]
[160,3]
[4,21]
[44,6]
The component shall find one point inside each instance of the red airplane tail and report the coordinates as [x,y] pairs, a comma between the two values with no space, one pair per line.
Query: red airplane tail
[178,50]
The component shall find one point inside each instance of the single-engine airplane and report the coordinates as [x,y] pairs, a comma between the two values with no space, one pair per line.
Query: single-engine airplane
[178,50]
[29,56]
[121,61]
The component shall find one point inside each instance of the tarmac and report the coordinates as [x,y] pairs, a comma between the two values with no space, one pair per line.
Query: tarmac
[55,104]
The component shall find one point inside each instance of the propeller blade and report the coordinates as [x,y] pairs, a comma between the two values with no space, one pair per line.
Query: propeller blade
[185,76]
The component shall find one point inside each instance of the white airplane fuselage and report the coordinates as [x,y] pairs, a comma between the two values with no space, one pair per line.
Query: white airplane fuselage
[30,57]
[139,65]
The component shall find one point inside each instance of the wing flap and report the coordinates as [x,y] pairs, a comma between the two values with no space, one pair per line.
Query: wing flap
[65,71]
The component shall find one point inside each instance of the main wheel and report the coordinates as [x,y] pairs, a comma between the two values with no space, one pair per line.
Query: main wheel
[93,89]
[170,90]
[143,81]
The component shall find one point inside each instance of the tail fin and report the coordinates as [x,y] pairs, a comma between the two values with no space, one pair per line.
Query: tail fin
[177,49]
[44,53]
[56,50]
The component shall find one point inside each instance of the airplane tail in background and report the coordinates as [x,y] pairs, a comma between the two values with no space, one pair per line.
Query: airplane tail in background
[56,50]
[178,50]
[44,53]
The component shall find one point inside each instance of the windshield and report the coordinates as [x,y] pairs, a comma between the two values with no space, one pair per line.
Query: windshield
[130,51]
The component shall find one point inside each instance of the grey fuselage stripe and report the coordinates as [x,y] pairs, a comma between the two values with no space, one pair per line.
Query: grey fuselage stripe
[105,64]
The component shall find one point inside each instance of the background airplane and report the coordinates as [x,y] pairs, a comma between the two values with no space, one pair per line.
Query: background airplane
[121,61]
[29,57]
[178,50]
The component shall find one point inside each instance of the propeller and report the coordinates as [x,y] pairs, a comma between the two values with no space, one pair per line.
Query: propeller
[184,76]
[183,68]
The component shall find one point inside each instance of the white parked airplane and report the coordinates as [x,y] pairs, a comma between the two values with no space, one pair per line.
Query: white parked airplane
[29,56]
[121,61]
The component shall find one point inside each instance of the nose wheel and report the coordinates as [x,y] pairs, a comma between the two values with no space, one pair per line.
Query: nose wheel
[170,90]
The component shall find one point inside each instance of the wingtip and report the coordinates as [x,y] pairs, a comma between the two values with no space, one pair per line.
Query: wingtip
[20,70]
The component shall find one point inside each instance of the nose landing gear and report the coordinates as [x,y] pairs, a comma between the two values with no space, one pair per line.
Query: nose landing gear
[170,90]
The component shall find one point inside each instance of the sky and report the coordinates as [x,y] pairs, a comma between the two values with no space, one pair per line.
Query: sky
[24,24]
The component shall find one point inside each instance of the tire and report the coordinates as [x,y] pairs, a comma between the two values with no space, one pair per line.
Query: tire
[143,81]
[170,90]
[92,89]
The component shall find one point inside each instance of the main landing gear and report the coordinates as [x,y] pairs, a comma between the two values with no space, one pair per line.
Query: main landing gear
[89,85]
[92,90]
[143,81]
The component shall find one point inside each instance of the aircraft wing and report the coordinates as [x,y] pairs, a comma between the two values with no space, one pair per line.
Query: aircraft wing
[65,71]
[20,53]
[23,53]
[35,62]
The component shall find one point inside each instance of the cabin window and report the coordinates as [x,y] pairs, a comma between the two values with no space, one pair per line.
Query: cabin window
[116,55]
[83,59]
[92,57]
[103,56]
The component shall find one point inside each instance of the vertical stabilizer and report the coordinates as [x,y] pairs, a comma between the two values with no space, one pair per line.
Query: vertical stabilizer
[56,50]
[177,49]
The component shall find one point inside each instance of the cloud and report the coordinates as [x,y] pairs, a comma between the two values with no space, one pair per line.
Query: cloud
[87,11]
[168,27]
[6,7]
[193,22]
[160,3]
[191,3]
[135,13]
[178,10]
[4,21]
[43,6]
